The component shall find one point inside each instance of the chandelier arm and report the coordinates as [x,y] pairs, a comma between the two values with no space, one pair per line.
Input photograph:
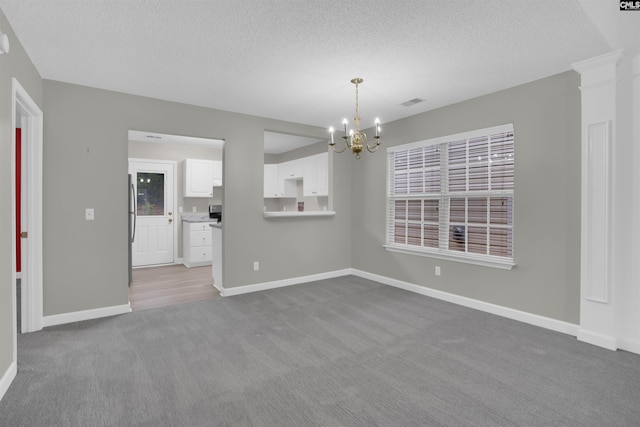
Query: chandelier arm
[333,147]
[348,141]
[375,146]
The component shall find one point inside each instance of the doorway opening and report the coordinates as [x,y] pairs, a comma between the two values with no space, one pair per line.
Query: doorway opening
[26,219]
[160,286]
[163,194]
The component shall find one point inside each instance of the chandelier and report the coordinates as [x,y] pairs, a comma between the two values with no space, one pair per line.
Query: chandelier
[355,140]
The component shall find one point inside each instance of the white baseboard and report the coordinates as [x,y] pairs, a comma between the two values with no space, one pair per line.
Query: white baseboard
[595,338]
[7,378]
[219,288]
[238,290]
[628,345]
[77,316]
[521,316]
[510,313]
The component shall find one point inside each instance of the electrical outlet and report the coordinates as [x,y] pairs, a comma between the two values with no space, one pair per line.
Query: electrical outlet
[437,270]
[180,209]
[89,214]
[194,210]
[256,265]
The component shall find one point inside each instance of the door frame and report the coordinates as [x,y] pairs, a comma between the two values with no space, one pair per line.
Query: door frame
[174,201]
[23,107]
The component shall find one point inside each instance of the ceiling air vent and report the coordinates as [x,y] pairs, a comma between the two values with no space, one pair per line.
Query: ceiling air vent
[411,102]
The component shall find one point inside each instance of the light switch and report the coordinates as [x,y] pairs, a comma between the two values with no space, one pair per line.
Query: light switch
[88,214]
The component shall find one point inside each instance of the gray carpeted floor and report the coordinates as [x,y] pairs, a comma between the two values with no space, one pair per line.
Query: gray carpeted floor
[337,352]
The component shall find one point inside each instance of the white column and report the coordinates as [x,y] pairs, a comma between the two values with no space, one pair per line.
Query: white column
[597,294]
[631,319]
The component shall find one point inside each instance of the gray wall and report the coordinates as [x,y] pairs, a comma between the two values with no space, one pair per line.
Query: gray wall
[16,64]
[86,153]
[546,118]
[298,153]
[177,153]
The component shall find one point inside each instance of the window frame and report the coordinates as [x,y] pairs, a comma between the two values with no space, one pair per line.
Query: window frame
[444,196]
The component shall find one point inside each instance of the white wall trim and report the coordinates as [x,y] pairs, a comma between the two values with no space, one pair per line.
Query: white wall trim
[78,316]
[238,290]
[631,319]
[628,345]
[600,302]
[485,261]
[596,198]
[521,316]
[595,338]
[220,288]
[7,378]
[32,275]
[510,313]
[598,70]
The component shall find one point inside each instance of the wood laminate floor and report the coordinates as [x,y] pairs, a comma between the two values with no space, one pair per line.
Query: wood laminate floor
[154,287]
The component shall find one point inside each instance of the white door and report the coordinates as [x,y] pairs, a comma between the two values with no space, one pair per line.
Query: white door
[153,186]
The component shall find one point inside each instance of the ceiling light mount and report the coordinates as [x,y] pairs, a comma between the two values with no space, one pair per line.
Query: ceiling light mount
[356,140]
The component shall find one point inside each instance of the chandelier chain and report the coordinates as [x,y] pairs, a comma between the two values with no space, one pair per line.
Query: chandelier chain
[356,119]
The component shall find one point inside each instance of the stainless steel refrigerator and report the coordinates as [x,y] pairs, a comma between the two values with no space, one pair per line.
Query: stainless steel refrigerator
[132,225]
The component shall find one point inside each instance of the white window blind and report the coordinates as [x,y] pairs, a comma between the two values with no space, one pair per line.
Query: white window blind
[453,195]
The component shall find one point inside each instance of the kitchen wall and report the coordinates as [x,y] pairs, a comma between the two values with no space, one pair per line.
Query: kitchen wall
[546,279]
[16,64]
[86,152]
[177,153]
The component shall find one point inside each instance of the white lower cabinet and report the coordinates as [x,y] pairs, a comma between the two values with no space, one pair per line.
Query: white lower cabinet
[196,243]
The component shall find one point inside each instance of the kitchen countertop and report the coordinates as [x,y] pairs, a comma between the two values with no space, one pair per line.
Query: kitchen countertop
[197,218]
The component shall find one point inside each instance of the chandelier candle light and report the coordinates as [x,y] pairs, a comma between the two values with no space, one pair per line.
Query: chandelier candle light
[356,140]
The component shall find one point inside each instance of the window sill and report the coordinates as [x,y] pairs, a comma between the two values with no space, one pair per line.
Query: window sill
[493,262]
[297,214]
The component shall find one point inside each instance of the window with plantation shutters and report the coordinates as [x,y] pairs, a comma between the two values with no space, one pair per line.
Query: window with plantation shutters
[452,197]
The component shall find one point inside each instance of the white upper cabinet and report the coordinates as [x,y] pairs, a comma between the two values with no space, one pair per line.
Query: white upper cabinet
[270,181]
[293,169]
[278,183]
[199,178]
[280,180]
[316,177]
[217,173]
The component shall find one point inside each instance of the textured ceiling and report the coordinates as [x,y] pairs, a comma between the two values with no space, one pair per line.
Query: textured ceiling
[293,60]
